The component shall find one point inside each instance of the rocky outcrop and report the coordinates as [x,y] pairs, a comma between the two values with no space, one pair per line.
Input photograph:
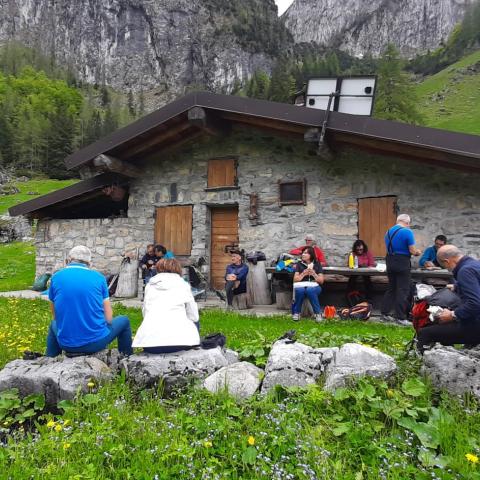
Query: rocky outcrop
[457,371]
[353,361]
[295,364]
[162,46]
[57,378]
[241,380]
[360,27]
[175,370]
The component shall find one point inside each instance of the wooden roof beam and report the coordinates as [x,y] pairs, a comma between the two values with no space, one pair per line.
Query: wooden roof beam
[111,164]
[208,121]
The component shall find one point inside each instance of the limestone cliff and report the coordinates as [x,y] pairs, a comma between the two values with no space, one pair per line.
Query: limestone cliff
[360,26]
[167,46]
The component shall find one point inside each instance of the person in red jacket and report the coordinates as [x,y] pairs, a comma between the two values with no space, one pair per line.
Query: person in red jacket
[310,242]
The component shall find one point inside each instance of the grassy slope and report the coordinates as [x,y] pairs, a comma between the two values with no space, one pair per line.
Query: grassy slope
[17,266]
[40,186]
[451,99]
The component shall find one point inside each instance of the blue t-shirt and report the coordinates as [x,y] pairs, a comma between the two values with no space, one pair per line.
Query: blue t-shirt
[401,241]
[78,294]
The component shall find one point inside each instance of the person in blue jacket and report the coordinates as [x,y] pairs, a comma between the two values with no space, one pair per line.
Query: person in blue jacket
[429,257]
[235,277]
[461,325]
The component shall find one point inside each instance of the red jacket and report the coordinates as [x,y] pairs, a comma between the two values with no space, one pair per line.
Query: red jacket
[318,253]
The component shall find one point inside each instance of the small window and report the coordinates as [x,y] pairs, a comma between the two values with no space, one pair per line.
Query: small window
[222,173]
[293,193]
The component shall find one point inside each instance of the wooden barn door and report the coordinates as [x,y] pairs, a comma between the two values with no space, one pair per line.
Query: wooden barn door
[173,228]
[375,216]
[224,233]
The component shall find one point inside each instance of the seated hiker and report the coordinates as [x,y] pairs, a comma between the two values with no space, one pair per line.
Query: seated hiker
[82,314]
[235,277]
[461,325]
[310,242]
[148,261]
[364,259]
[306,283]
[170,314]
[159,251]
[429,257]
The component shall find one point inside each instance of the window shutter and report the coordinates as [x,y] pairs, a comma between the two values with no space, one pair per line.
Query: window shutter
[173,228]
[221,173]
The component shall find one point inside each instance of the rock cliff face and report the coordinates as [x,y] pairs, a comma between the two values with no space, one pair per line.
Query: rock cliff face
[164,45]
[359,27]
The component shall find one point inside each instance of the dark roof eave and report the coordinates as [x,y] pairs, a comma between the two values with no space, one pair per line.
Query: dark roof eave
[429,138]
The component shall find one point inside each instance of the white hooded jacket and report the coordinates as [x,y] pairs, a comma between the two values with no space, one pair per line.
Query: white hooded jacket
[169,313]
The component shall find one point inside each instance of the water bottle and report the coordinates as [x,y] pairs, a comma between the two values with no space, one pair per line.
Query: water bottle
[351,260]
[355,264]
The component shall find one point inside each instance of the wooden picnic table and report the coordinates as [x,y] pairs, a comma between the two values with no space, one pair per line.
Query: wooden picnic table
[373,272]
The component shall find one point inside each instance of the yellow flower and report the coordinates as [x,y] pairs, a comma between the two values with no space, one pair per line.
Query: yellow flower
[390,393]
[207,444]
[51,423]
[66,446]
[66,423]
[58,428]
[471,457]
[90,384]
[251,440]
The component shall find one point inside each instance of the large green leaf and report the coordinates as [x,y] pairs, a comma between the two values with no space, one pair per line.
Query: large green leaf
[413,387]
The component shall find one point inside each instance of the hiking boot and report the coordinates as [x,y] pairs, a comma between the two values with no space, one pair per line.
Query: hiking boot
[319,317]
[296,317]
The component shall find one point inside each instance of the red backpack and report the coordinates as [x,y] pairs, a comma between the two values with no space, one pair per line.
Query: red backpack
[420,315]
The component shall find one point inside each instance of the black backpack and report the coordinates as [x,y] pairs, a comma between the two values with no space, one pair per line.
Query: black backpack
[213,340]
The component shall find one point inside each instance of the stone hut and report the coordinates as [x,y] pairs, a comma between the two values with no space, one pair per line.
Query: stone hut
[209,172]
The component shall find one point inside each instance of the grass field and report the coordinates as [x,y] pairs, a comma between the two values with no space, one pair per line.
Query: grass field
[17,266]
[400,429]
[451,99]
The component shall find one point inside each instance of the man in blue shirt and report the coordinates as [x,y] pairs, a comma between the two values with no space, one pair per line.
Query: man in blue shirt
[429,257]
[82,313]
[236,277]
[461,325]
[400,244]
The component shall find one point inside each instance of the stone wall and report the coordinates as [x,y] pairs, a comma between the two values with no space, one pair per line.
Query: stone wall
[439,200]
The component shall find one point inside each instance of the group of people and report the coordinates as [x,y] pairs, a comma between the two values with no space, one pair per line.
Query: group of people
[83,322]
[152,255]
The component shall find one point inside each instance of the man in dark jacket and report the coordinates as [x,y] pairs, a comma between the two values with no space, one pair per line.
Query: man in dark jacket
[461,325]
[235,277]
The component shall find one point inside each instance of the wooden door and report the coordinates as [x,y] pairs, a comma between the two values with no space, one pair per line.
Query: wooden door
[224,233]
[375,216]
[173,228]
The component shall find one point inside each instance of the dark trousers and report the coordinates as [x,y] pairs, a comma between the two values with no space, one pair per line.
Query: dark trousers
[231,290]
[353,281]
[398,292]
[449,334]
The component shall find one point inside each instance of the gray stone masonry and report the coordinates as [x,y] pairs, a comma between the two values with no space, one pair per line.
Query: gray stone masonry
[438,199]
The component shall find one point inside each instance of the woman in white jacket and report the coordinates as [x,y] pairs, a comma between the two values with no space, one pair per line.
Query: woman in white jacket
[170,314]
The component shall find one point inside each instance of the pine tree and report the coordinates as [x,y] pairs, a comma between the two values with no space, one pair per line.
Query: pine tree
[282,83]
[396,98]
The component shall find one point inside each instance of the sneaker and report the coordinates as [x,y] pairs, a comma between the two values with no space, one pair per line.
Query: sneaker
[296,317]
[318,318]
[388,318]
[404,323]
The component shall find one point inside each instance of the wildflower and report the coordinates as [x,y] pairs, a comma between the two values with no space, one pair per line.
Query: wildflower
[66,446]
[51,423]
[471,457]
[207,444]
[390,393]
[90,384]
[251,440]
[66,423]
[58,428]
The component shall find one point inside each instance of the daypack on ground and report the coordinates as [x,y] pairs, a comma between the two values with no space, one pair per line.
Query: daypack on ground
[213,340]
[40,284]
[362,311]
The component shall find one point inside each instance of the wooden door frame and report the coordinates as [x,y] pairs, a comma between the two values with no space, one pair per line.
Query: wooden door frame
[210,208]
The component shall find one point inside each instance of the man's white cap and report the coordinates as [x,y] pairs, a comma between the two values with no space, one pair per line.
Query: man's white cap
[309,237]
[80,253]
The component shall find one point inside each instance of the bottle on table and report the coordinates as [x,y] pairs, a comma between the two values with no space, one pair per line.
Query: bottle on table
[355,262]
[351,260]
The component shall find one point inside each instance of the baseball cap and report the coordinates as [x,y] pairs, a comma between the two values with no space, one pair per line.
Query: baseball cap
[309,237]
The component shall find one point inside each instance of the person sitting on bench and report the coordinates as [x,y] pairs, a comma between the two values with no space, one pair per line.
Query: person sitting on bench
[235,277]
[170,314]
[83,322]
[306,283]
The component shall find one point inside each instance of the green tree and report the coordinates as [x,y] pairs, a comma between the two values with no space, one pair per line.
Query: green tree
[282,83]
[396,98]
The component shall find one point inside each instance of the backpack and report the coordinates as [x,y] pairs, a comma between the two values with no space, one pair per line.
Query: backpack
[420,315]
[362,311]
[355,297]
[40,284]
[329,312]
[255,257]
[213,340]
